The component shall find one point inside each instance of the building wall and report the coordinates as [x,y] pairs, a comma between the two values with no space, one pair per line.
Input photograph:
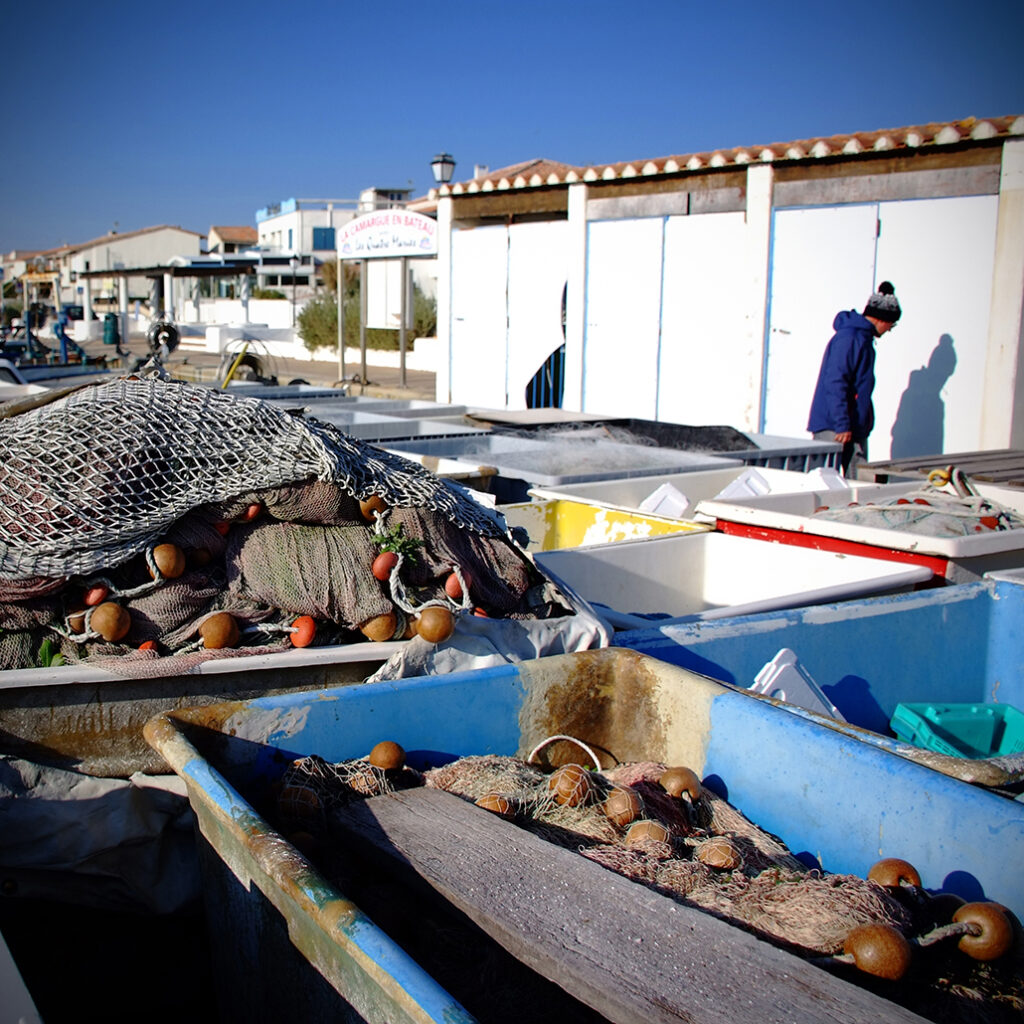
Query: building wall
[146,249]
[939,253]
[292,229]
[507,288]
[709,299]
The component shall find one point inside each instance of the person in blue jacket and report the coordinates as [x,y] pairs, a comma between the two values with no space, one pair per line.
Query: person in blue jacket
[841,409]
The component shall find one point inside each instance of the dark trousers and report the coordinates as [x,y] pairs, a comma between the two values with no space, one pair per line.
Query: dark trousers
[854,452]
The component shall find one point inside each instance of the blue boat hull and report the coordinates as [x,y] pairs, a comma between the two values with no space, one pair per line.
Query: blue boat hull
[830,797]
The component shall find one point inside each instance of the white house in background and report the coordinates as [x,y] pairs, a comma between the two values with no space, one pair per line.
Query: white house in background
[309,225]
[74,274]
[13,264]
[701,289]
[303,225]
[235,238]
[146,247]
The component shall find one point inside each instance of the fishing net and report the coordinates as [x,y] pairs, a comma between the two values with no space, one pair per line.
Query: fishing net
[311,788]
[264,508]
[707,854]
[930,511]
[698,849]
[760,886]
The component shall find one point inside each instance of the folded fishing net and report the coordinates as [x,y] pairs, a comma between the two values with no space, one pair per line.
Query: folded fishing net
[693,847]
[947,506]
[175,503]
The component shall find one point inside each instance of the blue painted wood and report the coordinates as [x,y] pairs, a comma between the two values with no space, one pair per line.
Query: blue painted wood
[841,801]
[545,389]
[846,804]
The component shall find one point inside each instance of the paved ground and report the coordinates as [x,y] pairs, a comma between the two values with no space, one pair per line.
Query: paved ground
[380,382]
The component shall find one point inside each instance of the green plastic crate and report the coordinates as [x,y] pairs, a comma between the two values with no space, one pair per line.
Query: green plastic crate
[962,730]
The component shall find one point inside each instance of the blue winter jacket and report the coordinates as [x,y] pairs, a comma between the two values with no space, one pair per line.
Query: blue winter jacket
[842,397]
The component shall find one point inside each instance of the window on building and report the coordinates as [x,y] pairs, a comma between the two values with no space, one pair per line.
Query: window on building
[290,246]
[323,238]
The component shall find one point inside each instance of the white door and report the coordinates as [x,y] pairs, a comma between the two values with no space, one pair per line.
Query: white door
[537,269]
[710,371]
[479,349]
[939,255]
[823,261]
[623,297]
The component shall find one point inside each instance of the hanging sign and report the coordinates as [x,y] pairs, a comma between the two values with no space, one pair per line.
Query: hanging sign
[388,233]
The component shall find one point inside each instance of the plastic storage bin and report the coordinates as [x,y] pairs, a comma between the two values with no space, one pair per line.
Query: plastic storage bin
[959,644]
[521,462]
[961,730]
[799,454]
[560,523]
[89,718]
[632,493]
[369,425]
[790,519]
[688,576]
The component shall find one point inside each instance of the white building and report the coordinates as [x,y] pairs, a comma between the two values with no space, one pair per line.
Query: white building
[701,289]
[117,251]
[92,274]
[309,225]
[224,239]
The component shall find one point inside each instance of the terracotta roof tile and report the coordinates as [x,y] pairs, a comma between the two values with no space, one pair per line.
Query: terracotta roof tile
[539,172]
[236,233]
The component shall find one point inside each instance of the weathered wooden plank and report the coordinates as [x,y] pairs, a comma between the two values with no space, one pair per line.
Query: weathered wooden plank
[631,954]
[1001,465]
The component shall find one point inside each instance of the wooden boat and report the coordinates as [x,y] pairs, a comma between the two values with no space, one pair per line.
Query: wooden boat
[91,720]
[848,802]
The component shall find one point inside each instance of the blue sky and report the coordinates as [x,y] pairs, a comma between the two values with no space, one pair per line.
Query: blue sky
[195,114]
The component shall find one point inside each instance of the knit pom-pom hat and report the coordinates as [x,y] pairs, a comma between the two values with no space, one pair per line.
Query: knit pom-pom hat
[883,304]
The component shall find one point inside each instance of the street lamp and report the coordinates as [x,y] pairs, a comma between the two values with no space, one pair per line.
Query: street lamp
[443,166]
[294,264]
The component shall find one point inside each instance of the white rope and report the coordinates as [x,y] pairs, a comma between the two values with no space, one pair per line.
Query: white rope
[571,739]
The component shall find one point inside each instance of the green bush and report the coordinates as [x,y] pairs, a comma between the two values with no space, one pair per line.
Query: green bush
[318,323]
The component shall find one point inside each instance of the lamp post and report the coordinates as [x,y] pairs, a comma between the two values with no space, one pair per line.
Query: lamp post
[443,166]
[294,264]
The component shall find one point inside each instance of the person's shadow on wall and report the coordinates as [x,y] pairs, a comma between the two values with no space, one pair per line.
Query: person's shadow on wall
[921,418]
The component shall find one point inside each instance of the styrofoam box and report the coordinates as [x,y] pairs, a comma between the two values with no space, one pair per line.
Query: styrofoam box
[315,399]
[373,426]
[795,512]
[690,576]
[627,494]
[555,462]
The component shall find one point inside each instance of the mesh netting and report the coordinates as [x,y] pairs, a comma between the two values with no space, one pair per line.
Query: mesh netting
[264,509]
[698,850]
[311,787]
[706,854]
[89,480]
[931,512]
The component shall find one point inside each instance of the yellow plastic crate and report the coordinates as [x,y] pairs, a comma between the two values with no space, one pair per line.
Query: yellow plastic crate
[557,523]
